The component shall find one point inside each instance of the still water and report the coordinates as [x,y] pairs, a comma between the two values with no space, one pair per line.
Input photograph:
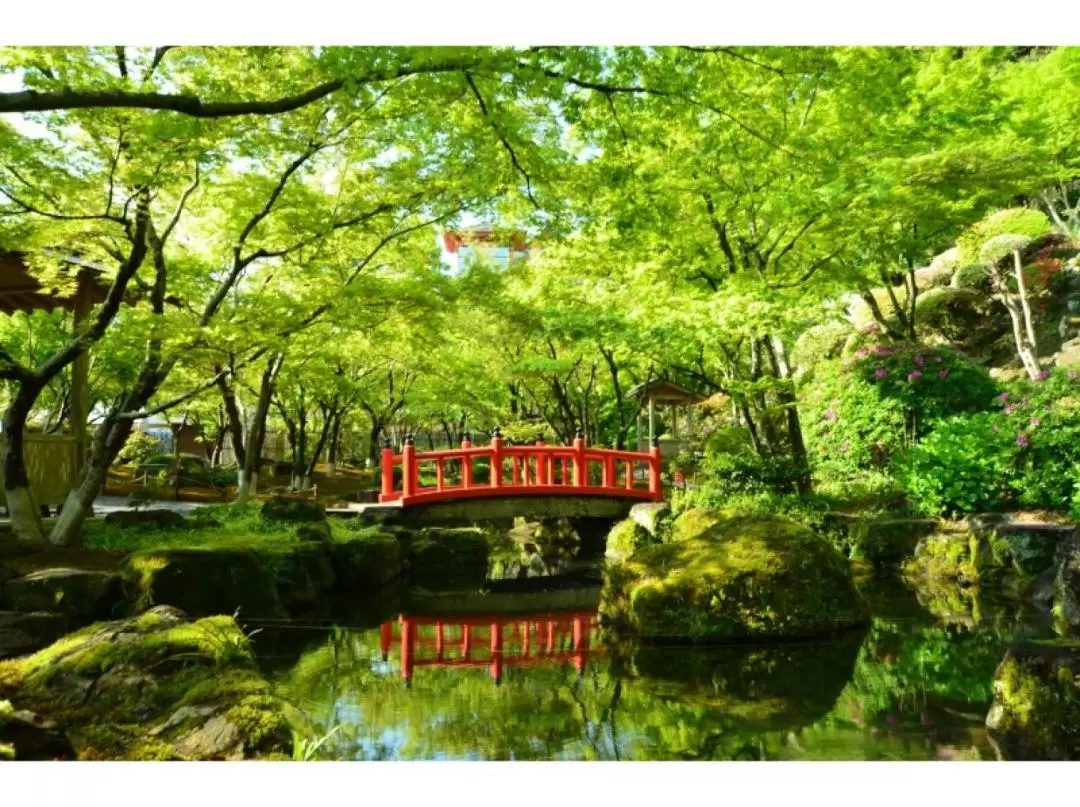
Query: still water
[525,684]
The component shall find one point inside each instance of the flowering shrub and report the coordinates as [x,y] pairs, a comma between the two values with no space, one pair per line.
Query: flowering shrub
[858,415]
[1026,451]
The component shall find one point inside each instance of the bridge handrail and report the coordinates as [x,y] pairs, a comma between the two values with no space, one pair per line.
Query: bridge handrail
[547,461]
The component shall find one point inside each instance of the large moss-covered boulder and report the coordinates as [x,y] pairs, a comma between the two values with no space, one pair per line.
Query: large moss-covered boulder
[155,686]
[694,523]
[743,577]
[81,595]
[1036,709]
[447,558]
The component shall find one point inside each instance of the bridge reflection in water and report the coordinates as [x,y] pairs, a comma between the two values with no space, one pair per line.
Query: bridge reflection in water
[496,642]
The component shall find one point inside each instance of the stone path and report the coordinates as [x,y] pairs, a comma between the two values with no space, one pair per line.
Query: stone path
[110,504]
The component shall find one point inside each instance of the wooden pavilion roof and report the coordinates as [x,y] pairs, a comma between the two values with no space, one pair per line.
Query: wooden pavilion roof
[21,291]
[666,393]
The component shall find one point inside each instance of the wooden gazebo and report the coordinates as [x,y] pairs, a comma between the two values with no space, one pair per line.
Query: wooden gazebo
[663,393]
[77,292]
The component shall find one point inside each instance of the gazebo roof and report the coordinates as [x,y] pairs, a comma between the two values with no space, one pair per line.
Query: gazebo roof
[21,291]
[666,393]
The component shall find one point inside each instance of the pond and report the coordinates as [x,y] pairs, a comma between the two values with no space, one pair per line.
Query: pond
[520,682]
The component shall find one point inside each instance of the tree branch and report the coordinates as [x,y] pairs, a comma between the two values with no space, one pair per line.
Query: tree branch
[502,137]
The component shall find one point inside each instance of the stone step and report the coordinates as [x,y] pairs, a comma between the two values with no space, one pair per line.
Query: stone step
[23,633]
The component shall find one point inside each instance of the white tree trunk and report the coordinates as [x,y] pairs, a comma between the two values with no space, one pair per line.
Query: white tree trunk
[331,469]
[1033,343]
[25,514]
[249,486]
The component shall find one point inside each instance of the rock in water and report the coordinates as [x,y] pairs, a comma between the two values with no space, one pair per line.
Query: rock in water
[1036,709]
[741,577]
[156,686]
[283,508]
[82,595]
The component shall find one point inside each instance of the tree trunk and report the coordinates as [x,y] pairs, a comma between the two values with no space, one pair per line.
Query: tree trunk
[249,477]
[335,445]
[232,417]
[786,395]
[1029,326]
[23,511]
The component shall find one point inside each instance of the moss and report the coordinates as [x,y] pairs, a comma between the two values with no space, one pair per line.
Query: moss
[1036,710]
[953,556]
[742,577]
[141,688]
[366,565]
[693,523]
[625,538]
[884,542]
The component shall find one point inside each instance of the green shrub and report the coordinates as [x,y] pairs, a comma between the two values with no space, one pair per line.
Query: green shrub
[972,277]
[963,466]
[723,475]
[1023,221]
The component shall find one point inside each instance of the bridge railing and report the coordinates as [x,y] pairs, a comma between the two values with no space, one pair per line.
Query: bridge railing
[538,469]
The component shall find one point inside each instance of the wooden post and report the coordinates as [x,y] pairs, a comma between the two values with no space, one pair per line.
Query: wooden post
[439,474]
[466,641]
[581,467]
[466,463]
[80,390]
[408,468]
[516,472]
[609,472]
[496,458]
[438,639]
[387,468]
[629,474]
[654,471]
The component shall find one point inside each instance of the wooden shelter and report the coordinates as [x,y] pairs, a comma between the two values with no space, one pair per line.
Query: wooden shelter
[663,393]
[21,291]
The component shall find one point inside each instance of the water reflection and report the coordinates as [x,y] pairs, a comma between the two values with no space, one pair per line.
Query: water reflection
[493,642]
[552,685]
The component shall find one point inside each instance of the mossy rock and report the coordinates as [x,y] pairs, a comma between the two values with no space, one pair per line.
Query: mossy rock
[83,596]
[203,582]
[886,542]
[744,577]
[946,556]
[284,508]
[447,558]
[155,519]
[694,523]
[1036,709]
[316,532]
[163,687]
[365,566]
[626,538]
[25,633]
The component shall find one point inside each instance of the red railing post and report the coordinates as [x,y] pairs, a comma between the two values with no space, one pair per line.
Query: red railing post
[608,480]
[466,641]
[386,465]
[629,474]
[581,467]
[496,652]
[466,463]
[541,464]
[654,470]
[408,637]
[440,476]
[515,478]
[438,639]
[496,458]
[386,636]
[409,474]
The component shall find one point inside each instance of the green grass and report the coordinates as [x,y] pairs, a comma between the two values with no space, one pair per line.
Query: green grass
[238,526]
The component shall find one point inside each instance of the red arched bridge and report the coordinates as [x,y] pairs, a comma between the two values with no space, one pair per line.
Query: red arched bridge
[495,642]
[416,478]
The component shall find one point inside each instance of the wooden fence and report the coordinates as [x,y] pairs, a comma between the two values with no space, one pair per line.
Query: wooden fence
[50,464]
